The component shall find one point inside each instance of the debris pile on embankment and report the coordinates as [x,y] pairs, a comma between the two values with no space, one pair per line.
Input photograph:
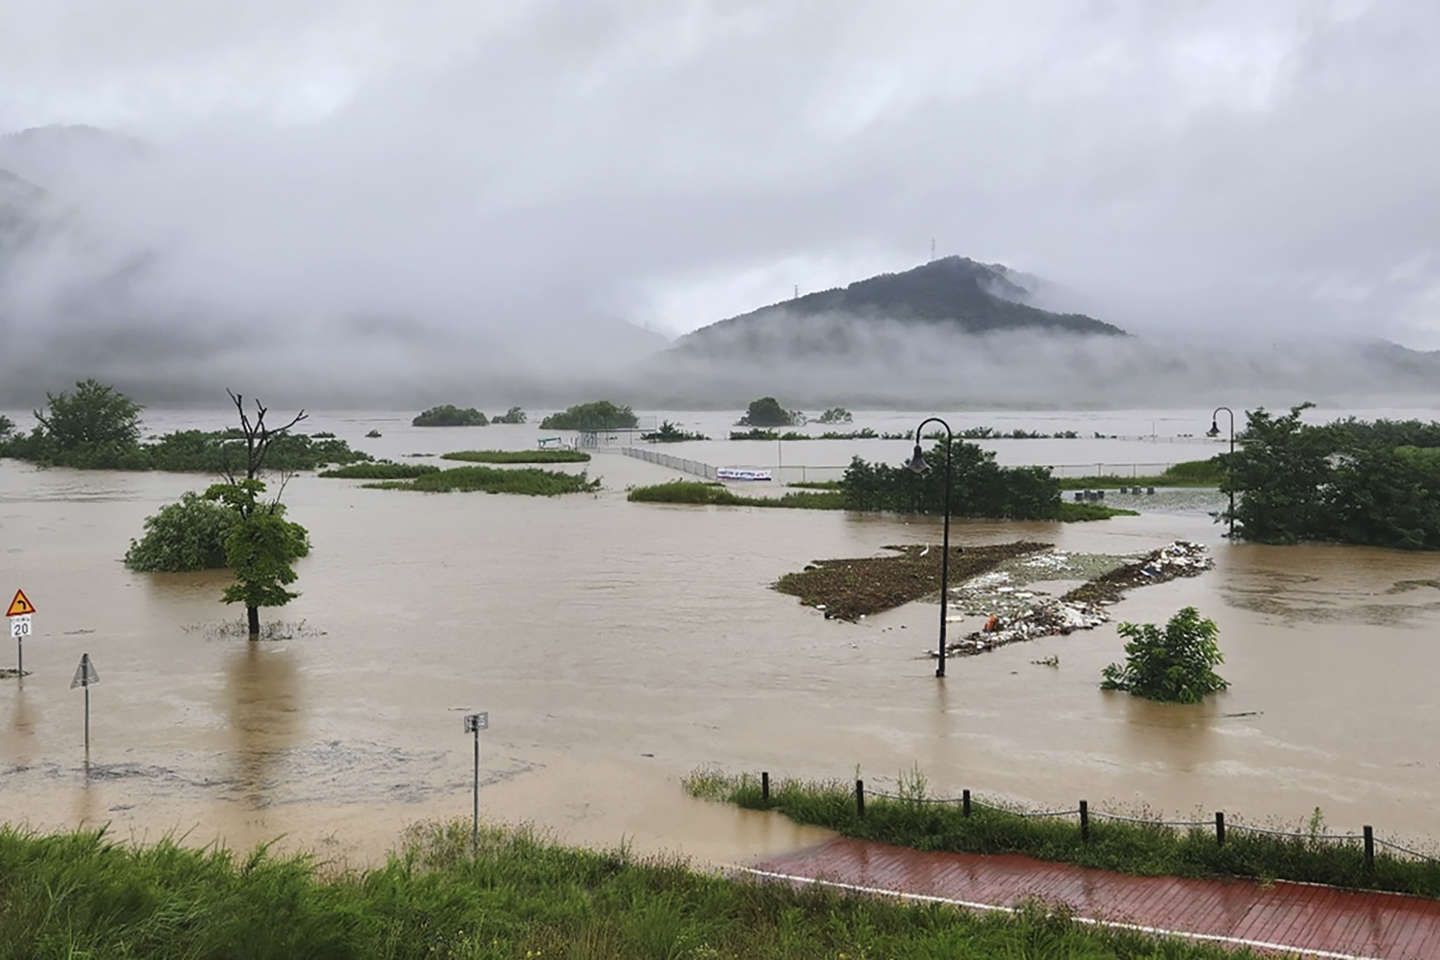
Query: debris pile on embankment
[1023,615]
[855,588]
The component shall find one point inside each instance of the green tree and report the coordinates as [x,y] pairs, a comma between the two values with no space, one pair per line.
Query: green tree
[767,412]
[261,548]
[93,426]
[449,415]
[7,427]
[1281,469]
[597,415]
[1176,665]
[513,415]
[837,415]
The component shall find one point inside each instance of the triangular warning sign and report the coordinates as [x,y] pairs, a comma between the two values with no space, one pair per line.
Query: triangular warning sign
[20,606]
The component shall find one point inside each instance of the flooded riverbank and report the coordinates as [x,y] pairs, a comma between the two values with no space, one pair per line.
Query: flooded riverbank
[617,646]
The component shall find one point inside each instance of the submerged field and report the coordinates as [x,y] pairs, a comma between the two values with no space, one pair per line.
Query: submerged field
[85,895]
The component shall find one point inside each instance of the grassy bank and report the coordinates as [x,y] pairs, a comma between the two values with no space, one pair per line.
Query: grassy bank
[519,456]
[1191,473]
[1138,848]
[527,480]
[815,497]
[383,470]
[717,494]
[81,895]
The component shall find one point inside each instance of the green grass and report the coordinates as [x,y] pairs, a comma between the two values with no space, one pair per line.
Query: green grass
[1083,512]
[81,894]
[1191,473]
[1146,849]
[715,494]
[816,496]
[529,480]
[383,470]
[519,456]
[819,484]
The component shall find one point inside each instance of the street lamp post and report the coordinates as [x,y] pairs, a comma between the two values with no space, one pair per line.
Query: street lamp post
[1214,431]
[917,463]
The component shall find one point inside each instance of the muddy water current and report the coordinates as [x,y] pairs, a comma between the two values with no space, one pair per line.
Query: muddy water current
[618,646]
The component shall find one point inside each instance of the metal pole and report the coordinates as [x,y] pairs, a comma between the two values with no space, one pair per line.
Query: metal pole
[20,657]
[1230,472]
[87,718]
[475,820]
[945,555]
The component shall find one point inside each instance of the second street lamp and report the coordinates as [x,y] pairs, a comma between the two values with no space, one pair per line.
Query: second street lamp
[918,465]
[1214,431]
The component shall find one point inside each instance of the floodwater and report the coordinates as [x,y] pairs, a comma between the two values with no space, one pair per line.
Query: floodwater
[619,646]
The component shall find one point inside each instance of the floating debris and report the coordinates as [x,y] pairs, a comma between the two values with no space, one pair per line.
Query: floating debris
[1012,620]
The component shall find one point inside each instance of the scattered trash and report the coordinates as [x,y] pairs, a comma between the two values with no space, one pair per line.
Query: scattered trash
[1051,661]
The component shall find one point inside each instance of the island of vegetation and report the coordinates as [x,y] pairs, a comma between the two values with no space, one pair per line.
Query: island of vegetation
[767,412]
[1374,483]
[525,480]
[550,455]
[448,415]
[836,415]
[717,494]
[598,415]
[515,894]
[671,433]
[979,488]
[95,427]
[513,415]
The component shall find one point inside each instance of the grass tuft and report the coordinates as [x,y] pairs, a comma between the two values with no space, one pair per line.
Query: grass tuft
[382,470]
[716,494]
[530,480]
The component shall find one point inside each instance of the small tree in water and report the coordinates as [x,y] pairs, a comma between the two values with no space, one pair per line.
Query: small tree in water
[1175,665]
[262,546]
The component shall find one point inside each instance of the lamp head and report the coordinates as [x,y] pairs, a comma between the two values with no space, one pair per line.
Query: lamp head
[917,462]
[1214,430]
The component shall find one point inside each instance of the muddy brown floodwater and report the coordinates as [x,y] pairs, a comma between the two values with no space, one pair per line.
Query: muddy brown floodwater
[618,646]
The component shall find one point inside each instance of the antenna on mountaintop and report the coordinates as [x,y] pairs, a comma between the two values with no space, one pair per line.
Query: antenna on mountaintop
[797,291]
[932,248]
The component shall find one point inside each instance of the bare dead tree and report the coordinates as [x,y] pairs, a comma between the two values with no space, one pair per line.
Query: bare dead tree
[258,438]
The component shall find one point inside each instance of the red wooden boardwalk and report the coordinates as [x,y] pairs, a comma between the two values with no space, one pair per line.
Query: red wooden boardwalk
[1290,917]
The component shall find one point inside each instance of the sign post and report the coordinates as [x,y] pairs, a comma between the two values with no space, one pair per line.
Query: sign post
[474,723]
[85,675]
[19,613]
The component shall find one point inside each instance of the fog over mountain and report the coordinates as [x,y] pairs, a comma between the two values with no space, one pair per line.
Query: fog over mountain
[375,202]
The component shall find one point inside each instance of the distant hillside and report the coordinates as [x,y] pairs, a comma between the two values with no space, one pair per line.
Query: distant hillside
[955,294]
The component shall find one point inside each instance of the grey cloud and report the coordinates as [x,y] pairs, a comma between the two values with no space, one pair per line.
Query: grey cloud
[435,194]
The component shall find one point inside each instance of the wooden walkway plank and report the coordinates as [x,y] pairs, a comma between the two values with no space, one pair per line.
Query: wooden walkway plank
[1307,919]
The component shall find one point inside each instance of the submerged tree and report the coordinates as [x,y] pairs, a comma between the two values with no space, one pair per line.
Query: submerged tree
[1175,665]
[261,547]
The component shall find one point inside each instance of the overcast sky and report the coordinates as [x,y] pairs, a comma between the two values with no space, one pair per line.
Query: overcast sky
[1259,167]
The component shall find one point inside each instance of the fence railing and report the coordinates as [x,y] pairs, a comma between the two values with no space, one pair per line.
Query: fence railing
[692,467]
[1082,812]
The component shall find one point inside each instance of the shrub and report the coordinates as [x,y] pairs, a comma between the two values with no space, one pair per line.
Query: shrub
[186,535]
[670,433]
[598,415]
[1176,665]
[837,415]
[449,415]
